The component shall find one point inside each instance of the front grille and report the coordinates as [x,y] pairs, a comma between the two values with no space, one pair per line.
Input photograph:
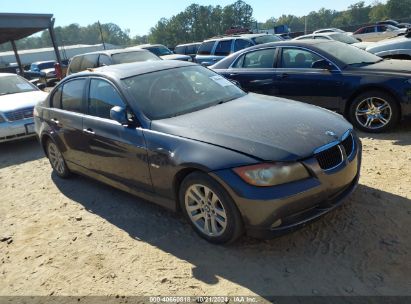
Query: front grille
[19,114]
[348,145]
[330,158]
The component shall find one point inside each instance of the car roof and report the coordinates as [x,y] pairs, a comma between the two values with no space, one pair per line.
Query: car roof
[111,52]
[7,74]
[192,43]
[234,36]
[125,70]
[142,46]
[40,62]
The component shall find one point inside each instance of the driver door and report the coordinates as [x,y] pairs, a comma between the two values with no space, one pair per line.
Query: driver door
[116,152]
[299,79]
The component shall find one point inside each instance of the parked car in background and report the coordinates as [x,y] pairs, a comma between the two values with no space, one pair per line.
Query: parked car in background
[46,67]
[189,49]
[184,137]
[348,39]
[378,32]
[108,57]
[371,92]
[395,23]
[331,30]
[396,48]
[215,49]
[17,100]
[163,52]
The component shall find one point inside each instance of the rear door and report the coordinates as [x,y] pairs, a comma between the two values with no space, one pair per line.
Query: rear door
[297,78]
[65,118]
[116,152]
[255,71]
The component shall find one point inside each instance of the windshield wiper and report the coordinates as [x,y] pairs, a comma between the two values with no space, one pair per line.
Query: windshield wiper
[364,62]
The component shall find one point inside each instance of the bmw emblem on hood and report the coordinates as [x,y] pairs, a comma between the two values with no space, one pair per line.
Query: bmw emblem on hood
[332,134]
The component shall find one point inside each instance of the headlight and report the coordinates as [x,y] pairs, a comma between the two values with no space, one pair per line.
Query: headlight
[266,175]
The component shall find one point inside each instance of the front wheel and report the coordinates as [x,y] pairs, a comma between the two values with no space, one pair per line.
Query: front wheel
[210,210]
[374,112]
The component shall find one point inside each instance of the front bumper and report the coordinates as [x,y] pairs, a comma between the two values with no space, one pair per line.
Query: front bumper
[16,129]
[272,211]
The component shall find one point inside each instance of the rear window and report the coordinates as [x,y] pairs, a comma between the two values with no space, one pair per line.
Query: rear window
[223,48]
[75,64]
[89,62]
[206,48]
[128,57]
[266,39]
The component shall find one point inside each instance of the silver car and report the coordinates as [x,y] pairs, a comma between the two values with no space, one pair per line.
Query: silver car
[17,100]
[396,48]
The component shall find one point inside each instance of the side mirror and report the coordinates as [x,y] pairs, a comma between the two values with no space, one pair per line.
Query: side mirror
[119,114]
[41,86]
[359,39]
[322,65]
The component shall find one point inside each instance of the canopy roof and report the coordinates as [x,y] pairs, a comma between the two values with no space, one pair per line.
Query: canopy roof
[14,26]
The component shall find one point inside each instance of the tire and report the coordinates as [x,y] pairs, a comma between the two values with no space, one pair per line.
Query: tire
[224,222]
[56,160]
[374,112]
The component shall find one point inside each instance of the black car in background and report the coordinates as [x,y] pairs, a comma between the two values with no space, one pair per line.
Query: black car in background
[371,92]
[108,57]
[186,138]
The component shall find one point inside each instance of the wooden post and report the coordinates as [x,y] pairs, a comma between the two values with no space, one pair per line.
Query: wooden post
[13,44]
[53,41]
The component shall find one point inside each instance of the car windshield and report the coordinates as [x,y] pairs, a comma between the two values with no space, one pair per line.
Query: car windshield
[15,84]
[349,55]
[46,65]
[178,91]
[344,38]
[136,56]
[266,39]
[160,50]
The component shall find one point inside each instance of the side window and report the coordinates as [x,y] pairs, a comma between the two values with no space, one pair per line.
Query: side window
[261,59]
[321,38]
[223,48]
[75,64]
[298,58]
[381,28]
[241,44]
[89,62]
[72,96]
[104,60]
[179,50]
[206,48]
[103,96]
[56,99]
[370,29]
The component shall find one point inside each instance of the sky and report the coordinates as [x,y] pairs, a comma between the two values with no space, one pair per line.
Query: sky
[140,16]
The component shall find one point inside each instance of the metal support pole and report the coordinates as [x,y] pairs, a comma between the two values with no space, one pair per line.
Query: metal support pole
[13,44]
[53,41]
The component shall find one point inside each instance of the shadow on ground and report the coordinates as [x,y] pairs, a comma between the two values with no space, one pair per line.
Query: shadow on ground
[18,152]
[401,135]
[362,248]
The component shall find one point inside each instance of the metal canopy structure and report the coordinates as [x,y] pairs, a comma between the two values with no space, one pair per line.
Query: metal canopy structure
[15,26]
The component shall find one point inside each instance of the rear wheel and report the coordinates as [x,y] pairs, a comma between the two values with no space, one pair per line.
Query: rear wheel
[56,160]
[209,208]
[374,112]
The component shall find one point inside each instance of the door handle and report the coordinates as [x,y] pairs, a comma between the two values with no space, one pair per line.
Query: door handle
[89,131]
[283,75]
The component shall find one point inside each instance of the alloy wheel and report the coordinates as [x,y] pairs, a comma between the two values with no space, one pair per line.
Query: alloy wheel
[56,159]
[373,113]
[205,210]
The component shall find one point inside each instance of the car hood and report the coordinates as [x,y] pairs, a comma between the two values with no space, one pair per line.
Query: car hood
[389,67]
[401,42]
[176,57]
[363,45]
[267,128]
[17,101]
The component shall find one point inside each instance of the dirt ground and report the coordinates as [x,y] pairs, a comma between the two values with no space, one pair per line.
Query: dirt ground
[80,237]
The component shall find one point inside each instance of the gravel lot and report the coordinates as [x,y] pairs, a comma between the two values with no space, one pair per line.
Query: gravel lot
[80,237]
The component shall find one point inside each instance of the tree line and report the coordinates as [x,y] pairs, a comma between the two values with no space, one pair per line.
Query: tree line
[199,22]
